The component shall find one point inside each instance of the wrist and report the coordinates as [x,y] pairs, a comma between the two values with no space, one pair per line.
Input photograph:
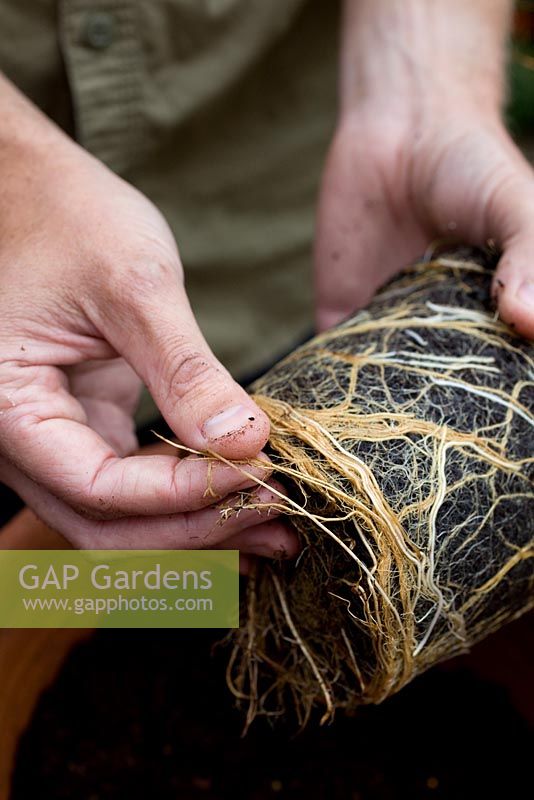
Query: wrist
[413,60]
[27,135]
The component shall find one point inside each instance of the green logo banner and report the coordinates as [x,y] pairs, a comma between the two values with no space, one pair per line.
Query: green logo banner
[119,589]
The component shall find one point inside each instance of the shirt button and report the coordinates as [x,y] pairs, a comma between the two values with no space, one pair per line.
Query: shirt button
[99,30]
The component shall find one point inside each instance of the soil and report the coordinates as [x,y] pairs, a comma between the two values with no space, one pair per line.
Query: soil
[137,714]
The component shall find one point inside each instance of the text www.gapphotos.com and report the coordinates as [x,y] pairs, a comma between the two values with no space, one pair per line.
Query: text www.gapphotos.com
[110,605]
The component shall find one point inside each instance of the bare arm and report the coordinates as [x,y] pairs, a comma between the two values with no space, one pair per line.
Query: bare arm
[417,55]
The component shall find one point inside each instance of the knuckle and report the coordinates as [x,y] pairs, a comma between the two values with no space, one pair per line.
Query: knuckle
[134,280]
[189,370]
[183,487]
[92,508]
[192,536]
[17,426]
[99,497]
[153,273]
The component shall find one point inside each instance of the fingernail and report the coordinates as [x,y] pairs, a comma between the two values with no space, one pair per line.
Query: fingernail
[526,293]
[228,421]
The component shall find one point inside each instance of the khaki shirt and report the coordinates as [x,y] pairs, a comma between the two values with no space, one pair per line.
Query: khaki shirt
[221,112]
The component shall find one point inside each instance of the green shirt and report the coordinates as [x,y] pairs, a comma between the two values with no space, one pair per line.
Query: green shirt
[221,112]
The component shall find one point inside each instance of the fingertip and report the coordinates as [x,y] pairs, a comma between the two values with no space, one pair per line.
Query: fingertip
[326,318]
[273,539]
[271,493]
[516,305]
[288,540]
[239,432]
[259,472]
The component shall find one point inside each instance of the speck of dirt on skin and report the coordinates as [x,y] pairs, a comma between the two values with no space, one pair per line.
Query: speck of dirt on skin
[500,283]
[251,419]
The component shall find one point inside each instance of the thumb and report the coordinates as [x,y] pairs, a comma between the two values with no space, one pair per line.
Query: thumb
[513,283]
[157,334]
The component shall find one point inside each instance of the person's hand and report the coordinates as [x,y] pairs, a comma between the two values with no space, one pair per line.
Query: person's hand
[421,154]
[91,301]
[388,194]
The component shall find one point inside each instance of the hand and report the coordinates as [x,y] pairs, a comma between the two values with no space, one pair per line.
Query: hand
[388,193]
[91,301]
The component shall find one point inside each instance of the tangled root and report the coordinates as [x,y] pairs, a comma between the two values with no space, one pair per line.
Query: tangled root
[404,437]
